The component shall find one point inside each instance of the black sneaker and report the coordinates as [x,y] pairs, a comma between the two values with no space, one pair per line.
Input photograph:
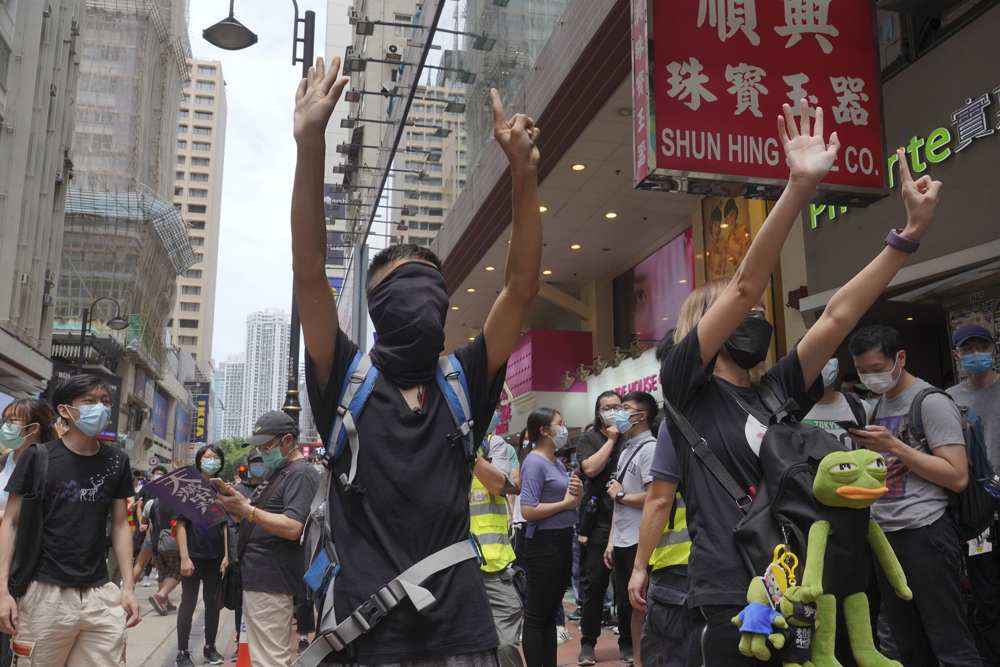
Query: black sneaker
[587,656]
[212,656]
[184,659]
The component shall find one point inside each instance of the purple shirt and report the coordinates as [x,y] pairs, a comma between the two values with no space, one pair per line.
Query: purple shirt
[544,481]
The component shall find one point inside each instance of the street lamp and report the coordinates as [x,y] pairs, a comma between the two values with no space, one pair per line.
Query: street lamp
[116,322]
[231,34]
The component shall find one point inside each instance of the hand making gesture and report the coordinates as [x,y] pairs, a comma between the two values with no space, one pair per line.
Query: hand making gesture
[316,97]
[808,156]
[920,198]
[517,136]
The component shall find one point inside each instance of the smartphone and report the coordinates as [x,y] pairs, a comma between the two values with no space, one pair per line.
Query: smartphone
[223,487]
[847,426]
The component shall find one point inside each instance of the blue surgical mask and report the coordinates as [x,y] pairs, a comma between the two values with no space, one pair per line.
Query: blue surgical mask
[258,469]
[211,466]
[976,363]
[830,372]
[93,419]
[272,458]
[621,420]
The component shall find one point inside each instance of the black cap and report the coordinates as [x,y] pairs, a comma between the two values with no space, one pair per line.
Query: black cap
[271,425]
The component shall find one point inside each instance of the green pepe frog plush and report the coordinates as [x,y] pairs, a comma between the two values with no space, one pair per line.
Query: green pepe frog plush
[836,569]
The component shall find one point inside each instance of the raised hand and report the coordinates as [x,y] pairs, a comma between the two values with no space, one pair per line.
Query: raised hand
[517,136]
[808,156]
[316,97]
[920,198]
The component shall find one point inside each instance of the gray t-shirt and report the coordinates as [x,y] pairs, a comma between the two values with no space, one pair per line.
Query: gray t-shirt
[634,480]
[826,416]
[912,501]
[986,404]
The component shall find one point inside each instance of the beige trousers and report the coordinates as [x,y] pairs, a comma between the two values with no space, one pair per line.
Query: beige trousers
[268,618]
[69,626]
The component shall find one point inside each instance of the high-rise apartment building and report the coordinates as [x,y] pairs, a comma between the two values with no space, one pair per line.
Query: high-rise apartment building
[201,141]
[232,374]
[433,154]
[38,80]
[266,375]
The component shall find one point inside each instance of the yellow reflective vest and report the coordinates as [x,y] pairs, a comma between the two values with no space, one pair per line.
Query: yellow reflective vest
[488,522]
[675,543]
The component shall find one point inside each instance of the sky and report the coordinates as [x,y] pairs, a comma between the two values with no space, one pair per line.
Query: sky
[255,245]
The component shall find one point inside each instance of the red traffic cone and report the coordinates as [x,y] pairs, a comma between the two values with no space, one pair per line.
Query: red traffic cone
[243,653]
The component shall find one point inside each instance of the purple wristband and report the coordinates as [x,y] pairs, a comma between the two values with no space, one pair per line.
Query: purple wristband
[899,242]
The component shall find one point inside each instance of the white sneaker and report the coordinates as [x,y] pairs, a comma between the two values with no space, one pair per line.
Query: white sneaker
[562,634]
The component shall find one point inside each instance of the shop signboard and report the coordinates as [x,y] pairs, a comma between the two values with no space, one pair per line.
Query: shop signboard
[709,80]
[199,421]
[641,374]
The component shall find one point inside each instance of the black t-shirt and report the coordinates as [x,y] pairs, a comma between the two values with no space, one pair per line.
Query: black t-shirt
[730,418]
[417,483]
[272,564]
[79,491]
[207,544]
[586,446]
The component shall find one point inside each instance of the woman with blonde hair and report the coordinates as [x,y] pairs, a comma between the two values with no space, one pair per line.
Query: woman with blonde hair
[722,334]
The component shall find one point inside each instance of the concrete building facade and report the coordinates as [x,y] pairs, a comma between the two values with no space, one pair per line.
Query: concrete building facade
[38,80]
[201,141]
[233,375]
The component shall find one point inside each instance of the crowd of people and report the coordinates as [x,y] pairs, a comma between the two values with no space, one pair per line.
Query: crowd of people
[424,539]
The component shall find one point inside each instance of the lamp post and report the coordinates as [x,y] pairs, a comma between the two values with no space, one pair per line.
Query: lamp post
[116,322]
[232,35]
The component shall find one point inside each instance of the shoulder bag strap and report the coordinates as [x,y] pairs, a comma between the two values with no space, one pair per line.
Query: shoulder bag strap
[857,408]
[699,447]
[630,459]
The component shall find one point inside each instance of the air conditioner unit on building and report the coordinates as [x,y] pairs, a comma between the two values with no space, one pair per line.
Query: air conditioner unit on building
[24,278]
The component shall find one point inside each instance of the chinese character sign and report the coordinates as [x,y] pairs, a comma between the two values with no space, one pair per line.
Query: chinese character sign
[199,419]
[721,69]
[186,492]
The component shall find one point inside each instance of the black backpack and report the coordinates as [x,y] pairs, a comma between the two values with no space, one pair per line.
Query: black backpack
[976,506]
[783,508]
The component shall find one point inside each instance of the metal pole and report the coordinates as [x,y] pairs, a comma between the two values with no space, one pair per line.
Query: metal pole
[292,406]
[84,325]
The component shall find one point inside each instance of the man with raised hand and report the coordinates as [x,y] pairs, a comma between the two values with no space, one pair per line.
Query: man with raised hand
[409,497]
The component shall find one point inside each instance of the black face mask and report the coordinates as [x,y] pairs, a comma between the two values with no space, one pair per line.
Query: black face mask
[408,310]
[748,345]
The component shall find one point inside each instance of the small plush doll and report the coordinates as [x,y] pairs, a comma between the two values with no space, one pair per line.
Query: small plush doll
[837,563]
[801,618]
[757,623]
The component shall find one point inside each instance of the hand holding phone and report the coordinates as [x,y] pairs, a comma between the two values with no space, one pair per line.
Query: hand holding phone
[223,487]
[849,426]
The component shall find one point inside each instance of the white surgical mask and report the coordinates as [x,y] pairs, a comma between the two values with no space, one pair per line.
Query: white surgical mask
[560,437]
[881,382]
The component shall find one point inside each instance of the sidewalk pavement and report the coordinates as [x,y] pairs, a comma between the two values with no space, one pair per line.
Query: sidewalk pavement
[153,643]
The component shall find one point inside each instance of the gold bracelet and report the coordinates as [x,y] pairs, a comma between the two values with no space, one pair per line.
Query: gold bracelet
[253,513]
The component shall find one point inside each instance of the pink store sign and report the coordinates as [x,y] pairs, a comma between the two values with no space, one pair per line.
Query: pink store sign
[542,357]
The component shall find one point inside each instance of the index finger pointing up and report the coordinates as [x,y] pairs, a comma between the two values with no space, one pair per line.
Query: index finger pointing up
[904,169]
[499,117]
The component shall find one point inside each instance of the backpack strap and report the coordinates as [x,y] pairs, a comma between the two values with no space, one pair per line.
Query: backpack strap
[455,388]
[358,386]
[916,416]
[632,458]
[857,408]
[699,447]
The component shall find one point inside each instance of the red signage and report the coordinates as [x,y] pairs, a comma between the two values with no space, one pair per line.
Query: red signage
[719,73]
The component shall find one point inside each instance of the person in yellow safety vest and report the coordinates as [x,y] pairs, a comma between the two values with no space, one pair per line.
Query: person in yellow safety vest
[660,589]
[490,524]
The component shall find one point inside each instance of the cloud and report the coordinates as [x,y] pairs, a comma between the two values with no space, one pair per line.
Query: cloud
[254,269]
